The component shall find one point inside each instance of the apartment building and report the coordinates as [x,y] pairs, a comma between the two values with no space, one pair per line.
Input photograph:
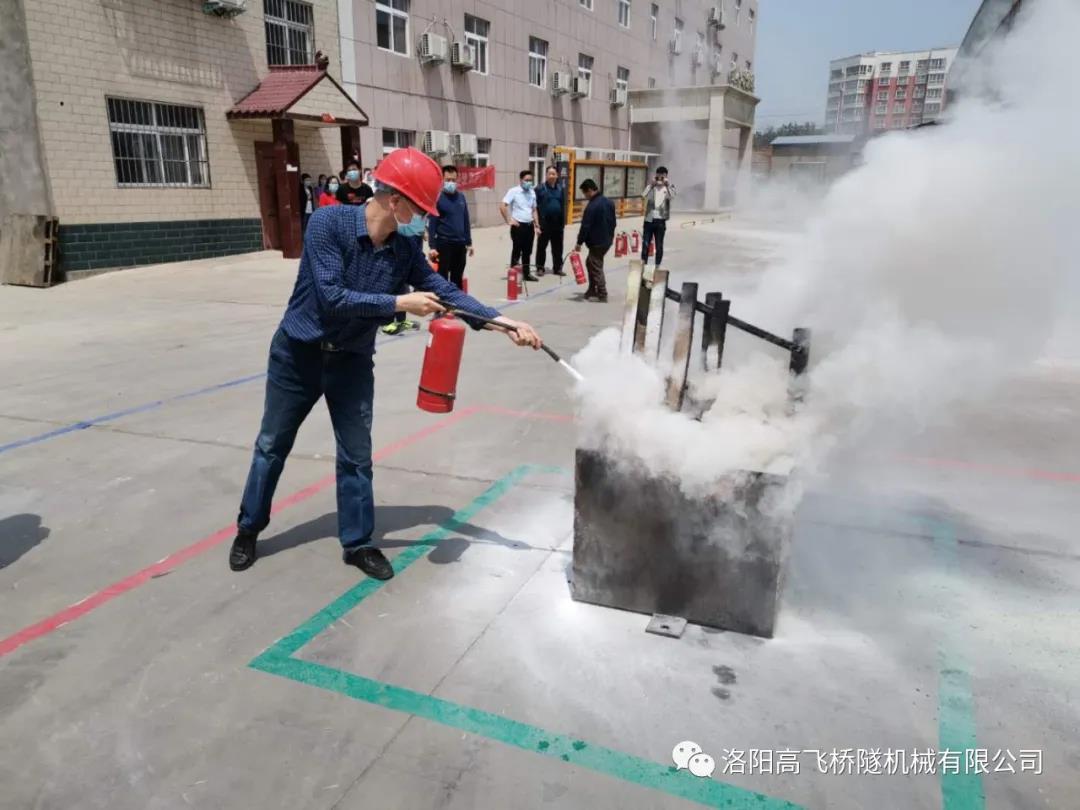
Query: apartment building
[878,91]
[508,80]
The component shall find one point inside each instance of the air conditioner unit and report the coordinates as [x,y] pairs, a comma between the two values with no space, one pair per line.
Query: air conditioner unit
[433,48]
[675,46]
[618,97]
[224,8]
[463,143]
[436,142]
[579,87]
[462,56]
[699,55]
[716,17]
[560,82]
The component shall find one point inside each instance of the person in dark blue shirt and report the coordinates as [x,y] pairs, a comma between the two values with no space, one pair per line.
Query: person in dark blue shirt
[356,261]
[450,234]
[551,209]
[597,232]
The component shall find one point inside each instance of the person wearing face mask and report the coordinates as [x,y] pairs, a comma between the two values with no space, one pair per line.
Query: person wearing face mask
[354,191]
[657,199]
[329,194]
[518,208]
[308,201]
[355,260]
[450,234]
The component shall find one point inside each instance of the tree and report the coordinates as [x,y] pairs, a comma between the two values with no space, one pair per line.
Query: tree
[766,137]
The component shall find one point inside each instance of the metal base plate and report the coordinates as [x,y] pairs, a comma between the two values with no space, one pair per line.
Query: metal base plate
[671,626]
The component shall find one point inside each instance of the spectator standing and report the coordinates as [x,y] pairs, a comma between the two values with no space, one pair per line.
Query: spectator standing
[320,187]
[308,203]
[450,234]
[551,211]
[657,199]
[597,232]
[329,195]
[518,208]
[354,191]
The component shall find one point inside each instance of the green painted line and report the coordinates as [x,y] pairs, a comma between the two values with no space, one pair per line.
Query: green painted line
[291,643]
[629,768]
[278,660]
[956,704]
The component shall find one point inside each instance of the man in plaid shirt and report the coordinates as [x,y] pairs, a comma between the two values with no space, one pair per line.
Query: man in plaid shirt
[356,260]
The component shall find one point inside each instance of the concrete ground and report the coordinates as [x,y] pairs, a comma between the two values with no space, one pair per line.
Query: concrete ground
[931,602]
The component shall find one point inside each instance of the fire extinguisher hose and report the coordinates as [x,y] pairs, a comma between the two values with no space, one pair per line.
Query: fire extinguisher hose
[573,372]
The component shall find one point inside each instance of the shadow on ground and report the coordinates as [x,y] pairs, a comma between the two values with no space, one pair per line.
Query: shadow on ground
[390,520]
[19,534]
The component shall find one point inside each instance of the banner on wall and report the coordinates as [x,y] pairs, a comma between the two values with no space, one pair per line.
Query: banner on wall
[470,177]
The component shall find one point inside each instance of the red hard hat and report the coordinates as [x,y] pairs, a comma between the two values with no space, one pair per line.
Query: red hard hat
[414,174]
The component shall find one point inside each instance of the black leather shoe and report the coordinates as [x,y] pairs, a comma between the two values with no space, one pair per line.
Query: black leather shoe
[242,554]
[371,561]
[530,277]
[558,272]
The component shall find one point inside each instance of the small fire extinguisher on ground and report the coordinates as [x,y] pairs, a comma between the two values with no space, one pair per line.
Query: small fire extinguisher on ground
[513,283]
[620,245]
[636,242]
[464,285]
[652,246]
[578,267]
[442,362]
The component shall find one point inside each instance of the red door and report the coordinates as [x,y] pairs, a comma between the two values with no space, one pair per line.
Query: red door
[268,207]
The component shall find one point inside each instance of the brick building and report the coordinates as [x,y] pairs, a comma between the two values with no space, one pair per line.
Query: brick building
[123,131]
[887,90]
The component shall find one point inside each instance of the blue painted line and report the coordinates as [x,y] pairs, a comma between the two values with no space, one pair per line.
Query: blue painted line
[150,406]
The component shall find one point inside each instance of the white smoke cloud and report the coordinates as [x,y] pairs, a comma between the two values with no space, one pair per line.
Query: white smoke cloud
[929,275]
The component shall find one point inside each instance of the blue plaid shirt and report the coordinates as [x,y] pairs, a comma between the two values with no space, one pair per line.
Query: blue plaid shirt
[346,288]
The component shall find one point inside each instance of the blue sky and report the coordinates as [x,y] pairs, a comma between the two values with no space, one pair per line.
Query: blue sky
[797,38]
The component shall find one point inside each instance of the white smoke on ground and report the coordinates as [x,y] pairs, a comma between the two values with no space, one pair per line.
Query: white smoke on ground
[930,274]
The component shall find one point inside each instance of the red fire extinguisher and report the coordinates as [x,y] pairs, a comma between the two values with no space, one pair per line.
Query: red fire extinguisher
[620,245]
[464,285]
[442,361]
[513,283]
[652,246]
[579,268]
[636,242]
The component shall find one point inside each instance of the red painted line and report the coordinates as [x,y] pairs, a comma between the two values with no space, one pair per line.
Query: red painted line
[96,600]
[542,415]
[993,469]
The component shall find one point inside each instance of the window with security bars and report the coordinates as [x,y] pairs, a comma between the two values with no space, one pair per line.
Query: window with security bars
[157,144]
[622,78]
[289,32]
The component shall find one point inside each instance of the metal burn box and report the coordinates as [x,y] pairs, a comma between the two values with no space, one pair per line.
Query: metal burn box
[641,544]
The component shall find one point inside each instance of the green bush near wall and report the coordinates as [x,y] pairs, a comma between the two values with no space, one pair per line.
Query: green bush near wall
[127,244]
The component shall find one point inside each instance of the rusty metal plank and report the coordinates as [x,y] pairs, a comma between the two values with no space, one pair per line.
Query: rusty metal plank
[633,290]
[684,336]
[642,317]
[654,323]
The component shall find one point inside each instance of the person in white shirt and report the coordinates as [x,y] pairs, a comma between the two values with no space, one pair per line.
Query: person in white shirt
[657,198]
[518,208]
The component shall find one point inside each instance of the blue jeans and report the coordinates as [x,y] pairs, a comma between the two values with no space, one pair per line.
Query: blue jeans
[297,375]
[654,230]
